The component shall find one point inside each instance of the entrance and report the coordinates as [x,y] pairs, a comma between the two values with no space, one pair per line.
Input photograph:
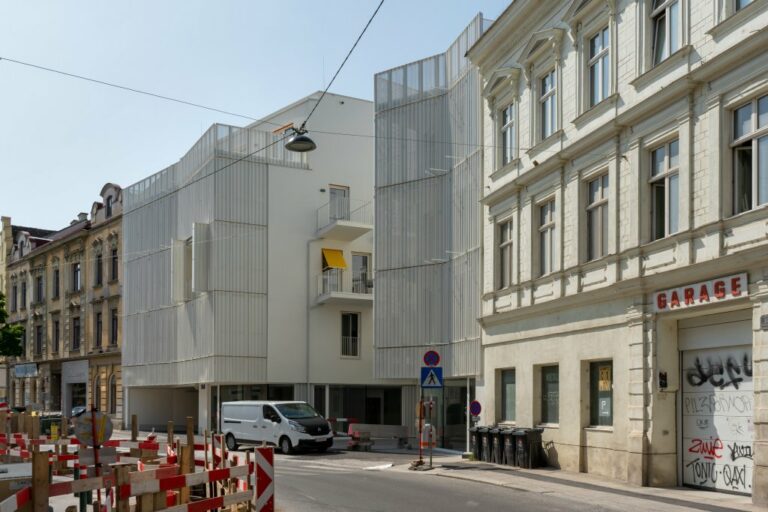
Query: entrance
[717,407]
[77,394]
[449,415]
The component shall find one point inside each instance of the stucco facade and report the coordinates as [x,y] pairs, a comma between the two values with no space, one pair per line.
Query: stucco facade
[64,287]
[624,267]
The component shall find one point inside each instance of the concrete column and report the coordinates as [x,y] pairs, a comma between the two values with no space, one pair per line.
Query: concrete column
[639,392]
[759,296]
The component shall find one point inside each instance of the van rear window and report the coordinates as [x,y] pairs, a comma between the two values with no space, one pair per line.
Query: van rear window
[297,411]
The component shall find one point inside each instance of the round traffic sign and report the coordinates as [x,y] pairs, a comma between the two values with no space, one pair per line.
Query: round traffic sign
[475,408]
[431,358]
[93,428]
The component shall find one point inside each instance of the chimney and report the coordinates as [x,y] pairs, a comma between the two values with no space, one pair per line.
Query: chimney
[82,216]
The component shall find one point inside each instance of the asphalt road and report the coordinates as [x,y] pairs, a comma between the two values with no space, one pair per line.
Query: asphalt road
[348,481]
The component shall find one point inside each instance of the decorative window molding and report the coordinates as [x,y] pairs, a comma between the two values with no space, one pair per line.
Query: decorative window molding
[663,30]
[543,67]
[502,95]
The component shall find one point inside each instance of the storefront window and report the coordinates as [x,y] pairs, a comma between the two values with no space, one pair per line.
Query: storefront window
[601,393]
[550,394]
[508,395]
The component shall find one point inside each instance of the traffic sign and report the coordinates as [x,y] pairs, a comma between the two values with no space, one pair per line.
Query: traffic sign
[431,358]
[90,423]
[475,408]
[431,377]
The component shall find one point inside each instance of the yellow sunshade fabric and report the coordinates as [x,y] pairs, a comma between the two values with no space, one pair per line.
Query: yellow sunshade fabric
[334,258]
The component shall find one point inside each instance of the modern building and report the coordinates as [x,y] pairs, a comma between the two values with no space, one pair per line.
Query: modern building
[249,273]
[428,228]
[64,288]
[625,285]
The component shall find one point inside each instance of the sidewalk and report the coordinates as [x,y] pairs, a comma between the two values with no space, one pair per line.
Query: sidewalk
[591,489]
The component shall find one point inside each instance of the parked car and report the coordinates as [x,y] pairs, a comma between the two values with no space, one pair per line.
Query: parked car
[287,425]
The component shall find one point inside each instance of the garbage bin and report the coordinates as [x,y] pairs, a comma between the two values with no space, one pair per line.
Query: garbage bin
[528,447]
[497,444]
[474,443]
[509,446]
[485,444]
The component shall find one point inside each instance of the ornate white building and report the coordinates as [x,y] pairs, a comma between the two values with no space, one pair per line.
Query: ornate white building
[625,283]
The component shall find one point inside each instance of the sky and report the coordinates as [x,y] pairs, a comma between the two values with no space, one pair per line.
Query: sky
[62,139]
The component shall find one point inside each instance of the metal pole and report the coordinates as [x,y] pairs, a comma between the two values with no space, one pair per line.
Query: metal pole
[431,403]
[468,414]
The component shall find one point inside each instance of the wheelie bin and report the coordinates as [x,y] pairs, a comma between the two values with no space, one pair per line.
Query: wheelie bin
[497,444]
[528,447]
[474,443]
[485,444]
[509,446]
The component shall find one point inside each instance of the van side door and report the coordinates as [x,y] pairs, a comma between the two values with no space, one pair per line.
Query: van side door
[270,422]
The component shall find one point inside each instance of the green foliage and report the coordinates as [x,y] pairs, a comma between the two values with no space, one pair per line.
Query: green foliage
[10,335]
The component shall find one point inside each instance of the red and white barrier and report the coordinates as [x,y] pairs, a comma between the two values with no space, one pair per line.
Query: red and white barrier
[265,479]
[16,501]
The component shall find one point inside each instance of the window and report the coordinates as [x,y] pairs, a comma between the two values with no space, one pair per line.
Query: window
[548,104]
[113,327]
[505,254]
[76,277]
[55,284]
[601,393]
[75,333]
[270,414]
[508,134]
[360,275]
[38,340]
[99,270]
[23,295]
[108,207]
[350,334]
[547,237]
[113,270]
[599,67]
[112,396]
[664,190]
[39,289]
[14,298]
[597,218]
[97,393]
[56,336]
[550,394]
[339,203]
[740,4]
[665,18]
[750,155]
[508,395]
[97,333]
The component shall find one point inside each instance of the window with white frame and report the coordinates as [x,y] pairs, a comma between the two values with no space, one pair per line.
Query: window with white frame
[599,67]
[547,237]
[507,134]
[350,334]
[597,218]
[750,155]
[665,21]
[505,254]
[664,190]
[548,104]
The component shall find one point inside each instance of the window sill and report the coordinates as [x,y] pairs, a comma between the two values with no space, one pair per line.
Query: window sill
[545,143]
[113,281]
[504,169]
[735,19]
[662,67]
[350,357]
[97,286]
[596,110]
[605,429]
[551,426]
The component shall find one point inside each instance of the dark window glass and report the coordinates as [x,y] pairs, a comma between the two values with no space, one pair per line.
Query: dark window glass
[24,295]
[113,328]
[113,271]
[601,393]
[550,394]
[76,333]
[56,283]
[99,269]
[56,336]
[38,340]
[97,334]
[508,395]
[39,289]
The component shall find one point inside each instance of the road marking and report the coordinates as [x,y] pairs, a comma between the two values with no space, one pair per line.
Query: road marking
[378,468]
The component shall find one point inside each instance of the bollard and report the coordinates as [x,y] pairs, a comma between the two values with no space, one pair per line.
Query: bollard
[40,482]
[170,433]
[134,428]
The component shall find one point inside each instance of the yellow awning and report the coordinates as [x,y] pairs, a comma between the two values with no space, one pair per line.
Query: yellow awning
[333,258]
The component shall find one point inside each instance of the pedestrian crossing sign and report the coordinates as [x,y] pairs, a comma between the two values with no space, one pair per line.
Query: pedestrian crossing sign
[431,377]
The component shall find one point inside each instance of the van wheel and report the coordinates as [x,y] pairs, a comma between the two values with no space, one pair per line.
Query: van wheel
[231,442]
[285,446]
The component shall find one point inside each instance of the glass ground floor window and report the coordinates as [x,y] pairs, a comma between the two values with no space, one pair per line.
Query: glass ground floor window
[376,405]
[601,393]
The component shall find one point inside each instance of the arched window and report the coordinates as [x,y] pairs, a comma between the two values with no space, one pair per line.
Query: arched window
[97,393]
[112,397]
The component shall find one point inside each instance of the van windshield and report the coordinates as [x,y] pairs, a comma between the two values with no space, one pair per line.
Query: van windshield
[297,411]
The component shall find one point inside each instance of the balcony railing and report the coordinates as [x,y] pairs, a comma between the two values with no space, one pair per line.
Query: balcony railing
[334,280]
[350,346]
[345,210]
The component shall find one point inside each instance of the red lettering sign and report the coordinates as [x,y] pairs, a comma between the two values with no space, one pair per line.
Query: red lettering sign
[691,295]
[674,301]
[719,289]
[735,286]
[661,301]
[704,293]
[688,292]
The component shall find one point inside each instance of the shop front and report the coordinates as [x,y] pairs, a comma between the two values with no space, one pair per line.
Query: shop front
[74,385]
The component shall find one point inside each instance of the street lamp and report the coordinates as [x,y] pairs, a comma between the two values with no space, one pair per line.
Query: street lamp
[300,141]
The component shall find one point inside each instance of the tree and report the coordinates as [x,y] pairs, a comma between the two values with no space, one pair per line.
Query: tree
[10,335]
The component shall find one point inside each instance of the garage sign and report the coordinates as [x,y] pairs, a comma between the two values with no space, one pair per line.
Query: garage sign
[700,294]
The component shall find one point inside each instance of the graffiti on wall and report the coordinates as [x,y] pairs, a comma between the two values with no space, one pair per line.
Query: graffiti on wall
[718,429]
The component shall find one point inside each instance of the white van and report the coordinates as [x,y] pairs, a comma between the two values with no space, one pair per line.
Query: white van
[288,425]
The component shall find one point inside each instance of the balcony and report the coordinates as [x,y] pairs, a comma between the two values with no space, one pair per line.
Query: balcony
[344,219]
[337,286]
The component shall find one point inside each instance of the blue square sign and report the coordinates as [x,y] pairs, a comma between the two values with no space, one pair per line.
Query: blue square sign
[431,377]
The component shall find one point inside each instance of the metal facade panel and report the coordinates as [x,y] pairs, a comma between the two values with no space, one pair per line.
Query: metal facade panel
[238,257]
[241,324]
[244,184]
[428,216]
